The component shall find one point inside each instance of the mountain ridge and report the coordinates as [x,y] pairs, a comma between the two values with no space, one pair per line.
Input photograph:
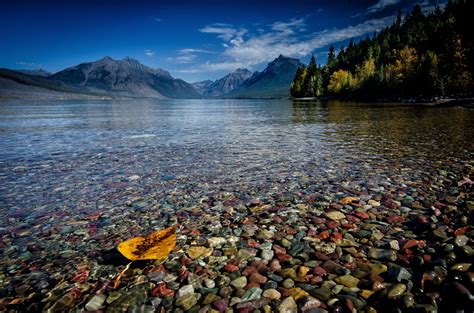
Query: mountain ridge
[273,82]
[130,78]
[127,77]
[228,83]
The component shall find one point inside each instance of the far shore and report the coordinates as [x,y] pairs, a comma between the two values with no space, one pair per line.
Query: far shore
[438,102]
[467,102]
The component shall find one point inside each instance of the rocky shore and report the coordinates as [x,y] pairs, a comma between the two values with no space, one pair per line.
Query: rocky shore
[377,249]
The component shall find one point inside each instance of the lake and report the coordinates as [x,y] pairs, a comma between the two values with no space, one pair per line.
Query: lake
[255,145]
[84,175]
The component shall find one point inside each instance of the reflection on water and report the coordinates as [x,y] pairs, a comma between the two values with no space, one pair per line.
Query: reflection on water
[66,155]
[394,128]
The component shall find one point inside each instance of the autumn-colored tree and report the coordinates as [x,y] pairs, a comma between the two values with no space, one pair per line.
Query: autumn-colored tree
[341,81]
[439,81]
[406,63]
[364,72]
[296,87]
[461,78]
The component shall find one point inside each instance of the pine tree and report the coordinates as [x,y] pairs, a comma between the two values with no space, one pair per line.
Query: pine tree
[331,58]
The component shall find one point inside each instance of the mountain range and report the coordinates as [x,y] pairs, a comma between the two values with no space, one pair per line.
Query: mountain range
[227,84]
[129,78]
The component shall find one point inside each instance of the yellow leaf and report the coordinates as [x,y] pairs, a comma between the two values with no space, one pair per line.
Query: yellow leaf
[156,246]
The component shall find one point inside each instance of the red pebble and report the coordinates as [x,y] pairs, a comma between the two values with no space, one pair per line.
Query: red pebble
[185,260]
[257,278]
[347,226]
[260,265]
[461,231]
[323,235]
[249,270]
[336,236]
[426,258]
[395,219]
[279,249]
[274,266]
[183,274]
[162,291]
[252,243]
[319,271]
[410,244]
[332,224]
[277,220]
[318,220]
[283,256]
[252,285]
[231,268]
[198,270]
[336,206]
[76,292]
[362,215]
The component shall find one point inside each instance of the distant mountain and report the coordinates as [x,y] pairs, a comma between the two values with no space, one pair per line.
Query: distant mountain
[38,72]
[14,78]
[228,83]
[202,86]
[273,82]
[127,77]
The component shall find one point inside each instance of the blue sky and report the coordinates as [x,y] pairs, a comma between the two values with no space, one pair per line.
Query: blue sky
[194,40]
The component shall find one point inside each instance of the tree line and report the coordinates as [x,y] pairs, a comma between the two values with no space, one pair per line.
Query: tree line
[417,56]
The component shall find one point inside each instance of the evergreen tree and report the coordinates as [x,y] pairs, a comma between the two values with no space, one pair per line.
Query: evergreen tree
[331,57]
[308,83]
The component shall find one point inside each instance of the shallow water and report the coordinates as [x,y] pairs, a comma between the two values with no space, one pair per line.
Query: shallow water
[78,155]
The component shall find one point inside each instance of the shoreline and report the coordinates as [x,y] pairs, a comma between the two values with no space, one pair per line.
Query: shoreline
[53,96]
[445,102]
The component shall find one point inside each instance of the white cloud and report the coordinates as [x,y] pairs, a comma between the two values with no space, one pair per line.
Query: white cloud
[213,67]
[187,55]
[289,27]
[157,19]
[191,50]
[225,31]
[183,59]
[29,64]
[268,46]
[149,52]
[428,6]
[382,4]
[283,38]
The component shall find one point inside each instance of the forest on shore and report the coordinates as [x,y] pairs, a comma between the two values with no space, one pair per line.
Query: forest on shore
[419,55]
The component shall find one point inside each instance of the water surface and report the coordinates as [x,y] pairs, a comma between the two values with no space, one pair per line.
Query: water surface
[80,157]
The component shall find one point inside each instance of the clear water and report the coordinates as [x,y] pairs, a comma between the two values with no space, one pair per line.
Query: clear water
[79,157]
